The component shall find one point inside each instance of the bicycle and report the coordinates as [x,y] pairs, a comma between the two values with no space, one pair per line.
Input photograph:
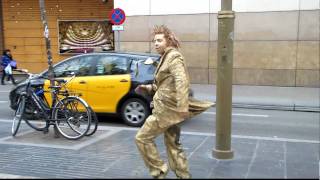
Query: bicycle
[71,116]
[94,119]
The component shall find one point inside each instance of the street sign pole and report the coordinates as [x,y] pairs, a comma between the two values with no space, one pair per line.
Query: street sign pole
[118,39]
[49,54]
[48,45]
[117,29]
[117,17]
[224,81]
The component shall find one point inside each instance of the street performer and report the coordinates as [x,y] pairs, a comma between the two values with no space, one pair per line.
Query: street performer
[172,105]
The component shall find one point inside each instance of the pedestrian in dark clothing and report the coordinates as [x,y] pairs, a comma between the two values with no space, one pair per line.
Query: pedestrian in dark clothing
[6,60]
[13,65]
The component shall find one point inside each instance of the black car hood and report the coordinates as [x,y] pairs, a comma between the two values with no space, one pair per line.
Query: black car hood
[36,80]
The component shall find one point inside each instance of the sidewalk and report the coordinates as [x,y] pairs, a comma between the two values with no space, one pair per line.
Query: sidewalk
[112,153]
[266,97]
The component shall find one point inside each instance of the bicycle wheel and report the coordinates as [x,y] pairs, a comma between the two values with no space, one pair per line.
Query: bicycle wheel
[18,114]
[72,117]
[38,122]
[94,123]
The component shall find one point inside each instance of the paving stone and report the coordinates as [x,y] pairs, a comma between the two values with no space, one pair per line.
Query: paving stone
[269,156]
[5,129]
[230,170]
[306,148]
[267,169]
[271,146]
[302,157]
[303,170]
[116,156]
[200,170]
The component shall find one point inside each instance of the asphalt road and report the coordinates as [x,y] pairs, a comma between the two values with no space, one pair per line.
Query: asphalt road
[293,125]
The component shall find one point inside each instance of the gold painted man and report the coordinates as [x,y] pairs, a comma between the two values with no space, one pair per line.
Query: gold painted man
[172,105]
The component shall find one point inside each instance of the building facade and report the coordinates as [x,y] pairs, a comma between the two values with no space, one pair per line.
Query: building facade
[23,28]
[276,42]
[1,28]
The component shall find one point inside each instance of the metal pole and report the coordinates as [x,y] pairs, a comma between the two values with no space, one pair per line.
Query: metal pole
[118,39]
[48,45]
[224,81]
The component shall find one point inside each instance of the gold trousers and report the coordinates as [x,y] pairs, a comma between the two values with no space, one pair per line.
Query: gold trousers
[148,149]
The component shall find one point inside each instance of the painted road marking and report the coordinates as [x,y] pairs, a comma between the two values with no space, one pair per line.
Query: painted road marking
[275,138]
[240,114]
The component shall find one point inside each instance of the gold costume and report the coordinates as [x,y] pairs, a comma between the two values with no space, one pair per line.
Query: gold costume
[171,100]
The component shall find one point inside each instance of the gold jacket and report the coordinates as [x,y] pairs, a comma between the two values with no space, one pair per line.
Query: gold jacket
[171,90]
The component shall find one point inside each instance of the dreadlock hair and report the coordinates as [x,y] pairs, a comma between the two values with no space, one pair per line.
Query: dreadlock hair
[170,37]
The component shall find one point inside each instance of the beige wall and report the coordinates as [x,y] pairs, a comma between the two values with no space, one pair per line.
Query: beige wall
[270,48]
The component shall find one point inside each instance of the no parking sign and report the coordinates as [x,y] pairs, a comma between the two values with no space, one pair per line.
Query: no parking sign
[117,16]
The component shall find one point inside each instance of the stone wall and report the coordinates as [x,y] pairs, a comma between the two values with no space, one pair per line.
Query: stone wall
[278,48]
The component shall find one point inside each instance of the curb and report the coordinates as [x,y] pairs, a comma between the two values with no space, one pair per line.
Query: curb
[12,176]
[277,107]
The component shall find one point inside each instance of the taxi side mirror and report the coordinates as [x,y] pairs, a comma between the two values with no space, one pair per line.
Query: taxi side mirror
[71,73]
[150,61]
[136,73]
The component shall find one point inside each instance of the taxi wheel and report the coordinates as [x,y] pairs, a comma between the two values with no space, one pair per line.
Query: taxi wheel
[134,112]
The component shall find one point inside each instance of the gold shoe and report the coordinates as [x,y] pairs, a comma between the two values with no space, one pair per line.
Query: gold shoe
[162,174]
[183,176]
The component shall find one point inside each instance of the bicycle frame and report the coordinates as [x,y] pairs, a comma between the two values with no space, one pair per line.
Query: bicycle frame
[42,104]
[58,113]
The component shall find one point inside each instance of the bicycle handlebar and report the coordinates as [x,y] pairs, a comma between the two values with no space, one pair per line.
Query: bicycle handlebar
[59,81]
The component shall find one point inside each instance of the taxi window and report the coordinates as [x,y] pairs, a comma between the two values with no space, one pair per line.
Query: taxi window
[81,66]
[146,69]
[111,65]
[141,71]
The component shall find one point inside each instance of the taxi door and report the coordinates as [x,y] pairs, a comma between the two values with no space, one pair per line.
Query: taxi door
[82,67]
[110,83]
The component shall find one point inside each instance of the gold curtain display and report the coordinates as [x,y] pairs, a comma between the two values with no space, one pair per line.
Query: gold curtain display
[85,36]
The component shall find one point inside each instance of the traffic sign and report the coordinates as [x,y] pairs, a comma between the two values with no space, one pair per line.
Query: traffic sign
[117,16]
[117,28]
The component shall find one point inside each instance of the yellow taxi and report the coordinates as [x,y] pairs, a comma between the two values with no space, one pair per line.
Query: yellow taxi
[106,81]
